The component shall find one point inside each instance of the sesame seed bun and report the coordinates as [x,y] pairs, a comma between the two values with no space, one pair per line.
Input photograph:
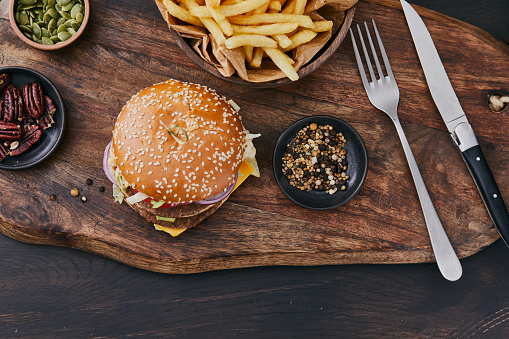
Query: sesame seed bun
[153,162]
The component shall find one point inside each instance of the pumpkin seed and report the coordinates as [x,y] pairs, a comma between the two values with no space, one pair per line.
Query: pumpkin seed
[53,12]
[61,28]
[51,2]
[68,7]
[54,38]
[27,2]
[26,8]
[68,23]
[36,39]
[58,7]
[64,35]
[80,17]
[47,41]
[60,21]
[54,32]
[47,17]
[71,30]
[65,15]
[63,2]
[36,30]
[44,32]
[75,25]
[25,29]
[75,10]
[23,18]
[28,35]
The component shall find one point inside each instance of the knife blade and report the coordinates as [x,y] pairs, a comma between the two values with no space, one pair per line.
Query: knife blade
[456,121]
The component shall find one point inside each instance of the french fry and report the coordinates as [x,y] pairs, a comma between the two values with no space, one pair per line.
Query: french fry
[300,38]
[290,60]
[277,28]
[181,13]
[300,5]
[220,19]
[230,10]
[230,2]
[209,24]
[268,18]
[281,4]
[282,40]
[282,62]
[275,5]
[212,3]
[322,26]
[255,40]
[215,30]
[262,9]
[257,57]
[289,7]
[248,52]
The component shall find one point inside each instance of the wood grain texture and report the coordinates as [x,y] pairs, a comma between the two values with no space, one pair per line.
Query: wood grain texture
[258,225]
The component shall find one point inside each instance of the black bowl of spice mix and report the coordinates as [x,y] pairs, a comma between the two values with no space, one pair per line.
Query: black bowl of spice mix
[320,162]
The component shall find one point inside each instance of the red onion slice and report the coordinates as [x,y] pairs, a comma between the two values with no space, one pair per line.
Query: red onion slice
[218,197]
[106,167]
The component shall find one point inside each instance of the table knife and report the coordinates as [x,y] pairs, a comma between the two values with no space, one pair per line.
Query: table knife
[456,121]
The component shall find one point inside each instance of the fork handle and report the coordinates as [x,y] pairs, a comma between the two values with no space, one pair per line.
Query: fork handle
[446,258]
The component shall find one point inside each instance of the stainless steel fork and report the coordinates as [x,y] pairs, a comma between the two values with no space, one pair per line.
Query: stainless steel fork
[383,93]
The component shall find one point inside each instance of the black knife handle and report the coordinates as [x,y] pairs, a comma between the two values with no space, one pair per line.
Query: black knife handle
[489,190]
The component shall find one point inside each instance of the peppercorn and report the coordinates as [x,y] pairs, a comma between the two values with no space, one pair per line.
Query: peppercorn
[75,192]
[52,197]
[89,182]
[101,189]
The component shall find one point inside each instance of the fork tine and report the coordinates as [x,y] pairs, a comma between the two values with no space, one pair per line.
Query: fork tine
[373,52]
[382,51]
[366,55]
[359,60]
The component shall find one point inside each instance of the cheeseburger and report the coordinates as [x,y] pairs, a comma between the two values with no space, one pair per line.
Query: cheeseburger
[176,152]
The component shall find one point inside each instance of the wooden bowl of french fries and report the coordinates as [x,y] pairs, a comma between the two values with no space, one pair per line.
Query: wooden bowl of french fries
[261,43]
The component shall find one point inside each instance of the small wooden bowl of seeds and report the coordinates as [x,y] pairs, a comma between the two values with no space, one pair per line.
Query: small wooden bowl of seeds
[320,162]
[49,25]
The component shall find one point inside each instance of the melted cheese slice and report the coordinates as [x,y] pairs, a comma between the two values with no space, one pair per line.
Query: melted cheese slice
[245,170]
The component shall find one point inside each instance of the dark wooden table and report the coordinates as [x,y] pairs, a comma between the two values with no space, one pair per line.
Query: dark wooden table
[50,291]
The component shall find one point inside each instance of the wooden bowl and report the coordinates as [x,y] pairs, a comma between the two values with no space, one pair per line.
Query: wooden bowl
[322,56]
[55,47]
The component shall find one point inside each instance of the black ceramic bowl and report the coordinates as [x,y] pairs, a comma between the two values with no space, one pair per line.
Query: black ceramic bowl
[51,136]
[356,156]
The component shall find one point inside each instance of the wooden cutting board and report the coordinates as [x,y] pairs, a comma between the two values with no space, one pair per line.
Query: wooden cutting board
[127,48]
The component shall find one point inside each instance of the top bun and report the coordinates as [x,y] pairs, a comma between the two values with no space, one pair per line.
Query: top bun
[154,163]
